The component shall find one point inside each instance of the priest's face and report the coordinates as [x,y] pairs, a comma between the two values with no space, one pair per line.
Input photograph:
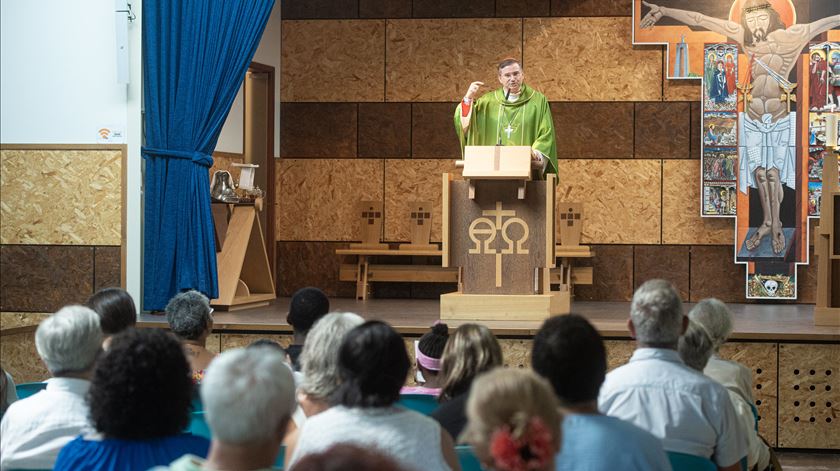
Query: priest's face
[511,78]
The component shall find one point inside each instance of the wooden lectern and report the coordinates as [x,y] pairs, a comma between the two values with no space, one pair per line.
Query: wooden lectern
[827,246]
[498,229]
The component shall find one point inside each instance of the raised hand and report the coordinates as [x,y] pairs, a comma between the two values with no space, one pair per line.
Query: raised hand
[473,88]
[652,16]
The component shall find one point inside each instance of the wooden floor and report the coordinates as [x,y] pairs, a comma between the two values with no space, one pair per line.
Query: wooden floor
[784,322]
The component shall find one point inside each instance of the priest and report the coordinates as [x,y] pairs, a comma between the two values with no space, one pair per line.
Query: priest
[513,115]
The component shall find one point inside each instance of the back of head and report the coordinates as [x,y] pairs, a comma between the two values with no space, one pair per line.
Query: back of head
[347,456]
[188,314]
[319,357]
[70,340]
[472,349]
[373,365]
[141,388]
[115,308]
[569,352]
[306,307]
[431,346]
[512,420]
[248,395]
[695,346]
[714,316]
[656,312]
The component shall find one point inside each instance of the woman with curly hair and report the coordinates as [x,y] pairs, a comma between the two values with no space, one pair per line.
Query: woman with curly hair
[139,402]
[513,423]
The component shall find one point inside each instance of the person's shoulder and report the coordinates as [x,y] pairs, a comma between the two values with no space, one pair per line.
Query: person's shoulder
[630,432]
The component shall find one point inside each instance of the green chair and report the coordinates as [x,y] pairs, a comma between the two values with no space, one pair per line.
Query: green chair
[27,389]
[467,459]
[686,462]
[422,403]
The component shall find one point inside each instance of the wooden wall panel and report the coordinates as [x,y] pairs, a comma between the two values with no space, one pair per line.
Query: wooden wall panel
[302,264]
[341,60]
[413,180]
[680,90]
[577,59]
[225,161]
[436,60]
[20,358]
[613,274]
[43,278]
[662,130]
[669,262]
[316,198]
[70,197]
[714,275]
[231,341]
[621,199]
[9,320]
[681,221]
[593,130]
[516,352]
[809,396]
[762,360]
[619,352]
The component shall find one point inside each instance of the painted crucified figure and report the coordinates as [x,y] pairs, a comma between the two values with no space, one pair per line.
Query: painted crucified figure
[768,129]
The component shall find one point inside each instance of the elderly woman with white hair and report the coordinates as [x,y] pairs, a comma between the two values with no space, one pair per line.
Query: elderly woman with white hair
[190,317]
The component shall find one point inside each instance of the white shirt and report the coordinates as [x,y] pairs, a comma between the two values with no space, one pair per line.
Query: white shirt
[35,429]
[732,375]
[690,413]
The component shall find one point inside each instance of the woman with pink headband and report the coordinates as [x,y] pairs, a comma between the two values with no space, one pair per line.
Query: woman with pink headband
[427,353]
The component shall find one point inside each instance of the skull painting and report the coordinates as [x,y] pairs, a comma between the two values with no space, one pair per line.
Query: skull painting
[771,286]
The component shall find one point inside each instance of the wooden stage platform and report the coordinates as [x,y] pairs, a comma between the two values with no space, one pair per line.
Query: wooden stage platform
[765,322]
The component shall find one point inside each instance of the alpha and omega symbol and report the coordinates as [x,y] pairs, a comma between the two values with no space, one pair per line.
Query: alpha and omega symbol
[484,226]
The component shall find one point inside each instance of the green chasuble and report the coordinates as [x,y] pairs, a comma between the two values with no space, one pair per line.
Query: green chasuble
[524,122]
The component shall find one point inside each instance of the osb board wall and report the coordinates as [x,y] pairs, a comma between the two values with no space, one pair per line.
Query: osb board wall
[9,320]
[809,396]
[20,358]
[68,197]
[377,81]
[762,361]
[225,161]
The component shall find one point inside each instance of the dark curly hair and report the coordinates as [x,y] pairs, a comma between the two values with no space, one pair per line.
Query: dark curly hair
[372,365]
[115,308]
[432,342]
[306,307]
[141,388]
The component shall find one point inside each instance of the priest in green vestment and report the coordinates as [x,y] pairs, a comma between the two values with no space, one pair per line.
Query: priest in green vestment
[514,115]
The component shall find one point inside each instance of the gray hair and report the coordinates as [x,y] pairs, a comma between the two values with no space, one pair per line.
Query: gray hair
[70,340]
[714,316]
[247,393]
[656,312]
[319,358]
[188,314]
[695,346]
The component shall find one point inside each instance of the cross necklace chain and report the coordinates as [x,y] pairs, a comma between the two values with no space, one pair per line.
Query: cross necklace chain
[509,129]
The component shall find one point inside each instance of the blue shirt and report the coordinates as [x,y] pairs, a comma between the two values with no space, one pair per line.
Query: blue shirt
[600,443]
[128,455]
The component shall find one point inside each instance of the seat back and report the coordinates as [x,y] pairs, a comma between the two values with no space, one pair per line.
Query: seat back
[27,389]
[686,462]
[467,458]
[422,403]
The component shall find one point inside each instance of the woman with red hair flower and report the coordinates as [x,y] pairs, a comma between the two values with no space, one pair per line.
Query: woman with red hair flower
[513,422]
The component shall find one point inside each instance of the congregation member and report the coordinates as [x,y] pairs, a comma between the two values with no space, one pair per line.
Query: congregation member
[570,354]
[139,402]
[191,318]
[305,308]
[8,393]
[471,350]
[427,353]
[657,392]
[372,367]
[116,311]
[513,421]
[34,429]
[345,456]
[248,396]
[695,347]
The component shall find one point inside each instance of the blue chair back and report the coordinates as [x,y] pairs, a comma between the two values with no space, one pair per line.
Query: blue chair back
[27,389]
[422,403]
[198,426]
[196,406]
[467,459]
[686,462]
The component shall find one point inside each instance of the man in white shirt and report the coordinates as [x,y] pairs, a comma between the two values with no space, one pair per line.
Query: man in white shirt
[35,429]
[656,391]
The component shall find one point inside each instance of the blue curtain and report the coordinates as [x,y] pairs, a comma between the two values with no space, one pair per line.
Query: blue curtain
[195,54]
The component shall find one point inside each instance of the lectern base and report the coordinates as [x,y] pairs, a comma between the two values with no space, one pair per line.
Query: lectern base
[497,307]
[822,315]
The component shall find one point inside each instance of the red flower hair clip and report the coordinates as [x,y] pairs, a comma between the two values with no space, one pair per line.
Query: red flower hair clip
[530,451]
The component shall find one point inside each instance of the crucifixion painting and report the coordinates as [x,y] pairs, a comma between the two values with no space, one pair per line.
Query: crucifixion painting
[759,98]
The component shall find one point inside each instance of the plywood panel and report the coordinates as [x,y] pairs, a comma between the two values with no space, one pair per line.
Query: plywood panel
[21,319]
[593,130]
[809,396]
[20,358]
[760,358]
[516,352]
[591,8]
[302,264]
[107,267]
[590,59]
[231,341]
[662,130]
[43,278]
[436,60]
[681,221]
[714,275]
[669,262]
[619,352]
[319,130]
[70,197]
[225,161]
[335,60]
[413,180]
[317,198]
[612,278]
[453,8]
[681,90]
[621,198]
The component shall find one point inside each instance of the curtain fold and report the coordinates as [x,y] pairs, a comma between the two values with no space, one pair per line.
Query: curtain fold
[195,54]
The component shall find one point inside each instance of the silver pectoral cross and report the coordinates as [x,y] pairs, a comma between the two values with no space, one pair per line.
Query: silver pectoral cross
[508,130]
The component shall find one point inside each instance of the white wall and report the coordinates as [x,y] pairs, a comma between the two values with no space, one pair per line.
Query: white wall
[58,71]
[268,53]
